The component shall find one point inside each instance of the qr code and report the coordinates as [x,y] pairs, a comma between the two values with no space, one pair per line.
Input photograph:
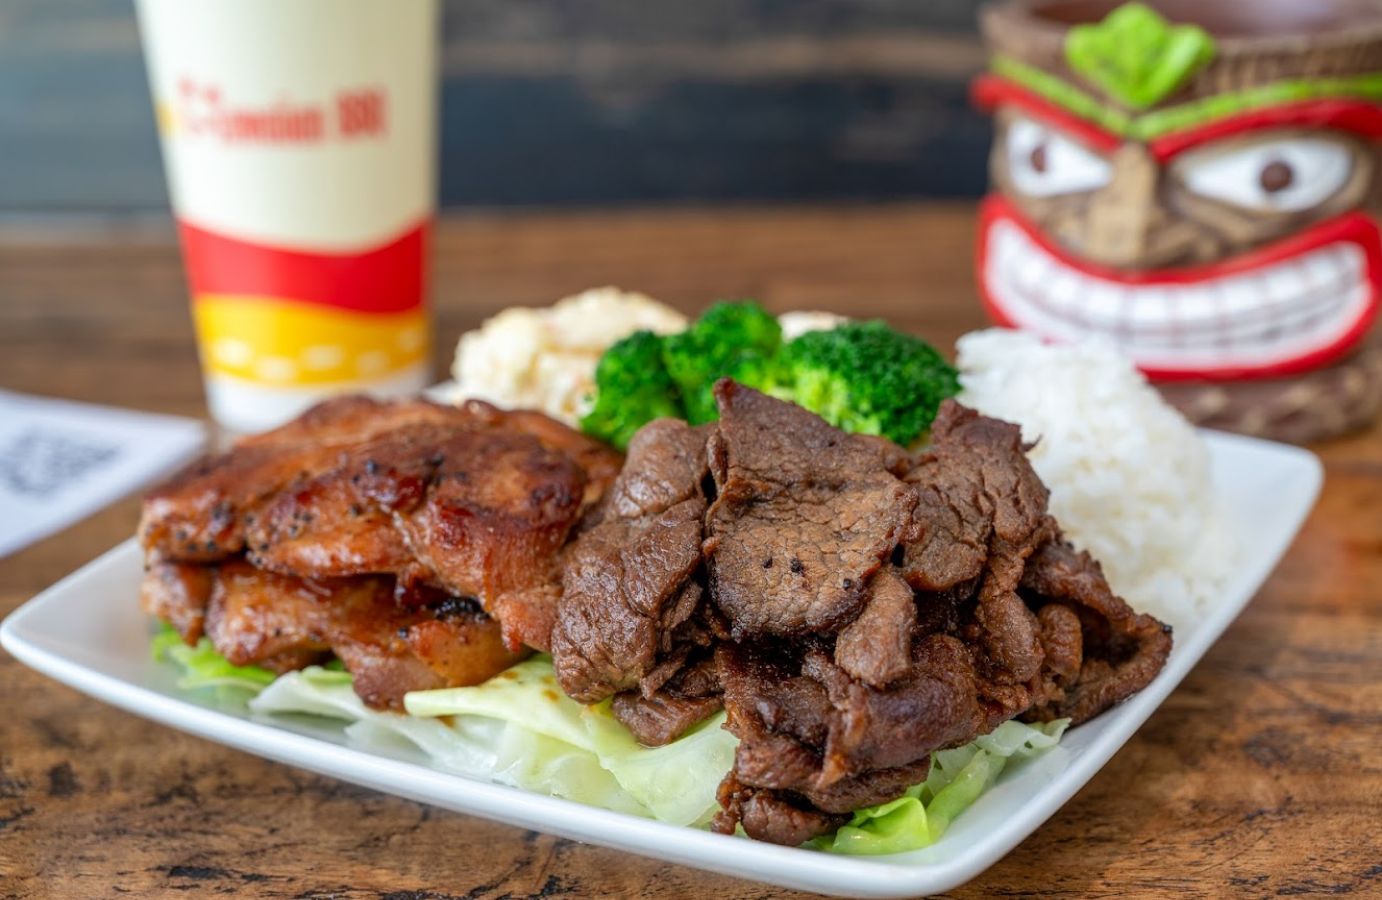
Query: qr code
[41,463]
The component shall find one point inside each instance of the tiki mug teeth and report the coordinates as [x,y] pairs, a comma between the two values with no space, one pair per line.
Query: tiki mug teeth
[1196,182]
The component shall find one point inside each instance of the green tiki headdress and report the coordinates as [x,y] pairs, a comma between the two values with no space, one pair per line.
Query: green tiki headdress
[1141,72]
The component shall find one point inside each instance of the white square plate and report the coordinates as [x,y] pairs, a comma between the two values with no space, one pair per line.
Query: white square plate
[87,631]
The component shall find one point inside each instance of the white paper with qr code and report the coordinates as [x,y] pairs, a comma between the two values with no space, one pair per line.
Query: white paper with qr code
[60,461]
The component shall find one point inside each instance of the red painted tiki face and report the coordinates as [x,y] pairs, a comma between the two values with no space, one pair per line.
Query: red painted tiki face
[1204,205]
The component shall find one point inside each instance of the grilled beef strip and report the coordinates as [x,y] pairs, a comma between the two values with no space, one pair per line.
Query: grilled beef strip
[627,578]
[863,608]
[659,714]
[1099,651]
[803,516]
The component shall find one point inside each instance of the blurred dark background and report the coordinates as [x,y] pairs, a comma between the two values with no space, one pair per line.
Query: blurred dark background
[564,103]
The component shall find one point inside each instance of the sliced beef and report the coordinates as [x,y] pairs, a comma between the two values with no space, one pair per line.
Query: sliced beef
[683,625]
[870,787]
[952,523]
[942,612]
[699,677]
[876,648]
[684,631]
[660,714]
[978,492]
[1120,650]
[847,726]
[772,816]
[661,718]
[982,513]
[808,732]
[803,517]
[621,578]
[666,465]
[866,608]
[627,589]
[1062,646]
[936,705]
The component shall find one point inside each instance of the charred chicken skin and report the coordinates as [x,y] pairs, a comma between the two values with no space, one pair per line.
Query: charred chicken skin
[416,542]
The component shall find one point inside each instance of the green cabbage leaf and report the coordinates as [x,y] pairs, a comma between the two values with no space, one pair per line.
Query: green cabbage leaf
[203,667]
[520,729]
[957,778]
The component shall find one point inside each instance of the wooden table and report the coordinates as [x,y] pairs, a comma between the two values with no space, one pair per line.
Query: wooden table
[1259,776]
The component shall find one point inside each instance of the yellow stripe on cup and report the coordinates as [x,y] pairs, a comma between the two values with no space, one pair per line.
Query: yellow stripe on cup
[279,342]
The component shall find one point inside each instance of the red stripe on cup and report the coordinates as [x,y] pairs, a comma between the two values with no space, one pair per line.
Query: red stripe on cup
[386,278]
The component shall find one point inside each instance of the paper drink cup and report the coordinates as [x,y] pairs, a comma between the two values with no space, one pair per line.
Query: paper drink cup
[298,138]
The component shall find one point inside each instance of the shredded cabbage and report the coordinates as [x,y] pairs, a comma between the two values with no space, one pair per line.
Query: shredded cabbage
[957,778]
[203,667]
[675,783]
[520,729]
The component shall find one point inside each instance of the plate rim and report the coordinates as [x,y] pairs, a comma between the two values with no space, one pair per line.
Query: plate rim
[785,866]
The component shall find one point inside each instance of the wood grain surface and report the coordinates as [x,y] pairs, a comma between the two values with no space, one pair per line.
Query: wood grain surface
[1260,776]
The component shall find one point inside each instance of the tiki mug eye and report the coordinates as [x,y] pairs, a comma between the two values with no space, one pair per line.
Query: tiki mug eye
[1282,175]
[1042,162]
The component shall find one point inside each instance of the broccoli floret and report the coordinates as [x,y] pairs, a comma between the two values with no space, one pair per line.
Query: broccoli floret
[632,388]
[739,340]
[862,377]
[866,378]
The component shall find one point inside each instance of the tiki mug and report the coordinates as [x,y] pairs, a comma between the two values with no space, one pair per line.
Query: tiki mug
[1193,180]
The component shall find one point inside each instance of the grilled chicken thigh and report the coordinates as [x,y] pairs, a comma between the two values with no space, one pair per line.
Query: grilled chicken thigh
[356,528]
